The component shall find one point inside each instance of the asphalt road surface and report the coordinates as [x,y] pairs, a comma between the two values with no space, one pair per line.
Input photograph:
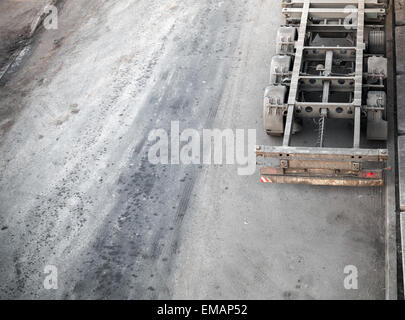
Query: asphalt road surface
[77,190]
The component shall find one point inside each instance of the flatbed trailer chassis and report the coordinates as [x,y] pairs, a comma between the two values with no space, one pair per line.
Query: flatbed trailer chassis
[326,68]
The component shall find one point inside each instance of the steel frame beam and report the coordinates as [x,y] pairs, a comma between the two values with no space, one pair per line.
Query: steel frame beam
[358,86]
[333,3]
[335,181]
[330,13]
[313,153]
[296,73]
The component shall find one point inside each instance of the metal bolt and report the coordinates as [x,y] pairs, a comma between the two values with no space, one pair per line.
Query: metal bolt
[284,164]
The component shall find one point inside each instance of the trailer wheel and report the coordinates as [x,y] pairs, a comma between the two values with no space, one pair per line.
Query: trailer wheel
[376,42]
[378,99]
[279,69]
[285,40]
[377,125]
[273,111]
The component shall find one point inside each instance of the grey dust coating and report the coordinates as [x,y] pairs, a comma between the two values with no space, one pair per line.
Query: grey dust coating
[77,191]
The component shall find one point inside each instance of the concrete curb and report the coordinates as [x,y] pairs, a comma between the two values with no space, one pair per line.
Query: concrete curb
[401,171]
[391,264]
[402,219]
[400,38]
[400,12]
[401,105]
[400,119]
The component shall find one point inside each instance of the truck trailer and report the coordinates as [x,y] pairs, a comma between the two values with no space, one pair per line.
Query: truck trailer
[330,64]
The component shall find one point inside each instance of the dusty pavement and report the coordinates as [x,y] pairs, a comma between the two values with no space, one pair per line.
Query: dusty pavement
[78,192]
